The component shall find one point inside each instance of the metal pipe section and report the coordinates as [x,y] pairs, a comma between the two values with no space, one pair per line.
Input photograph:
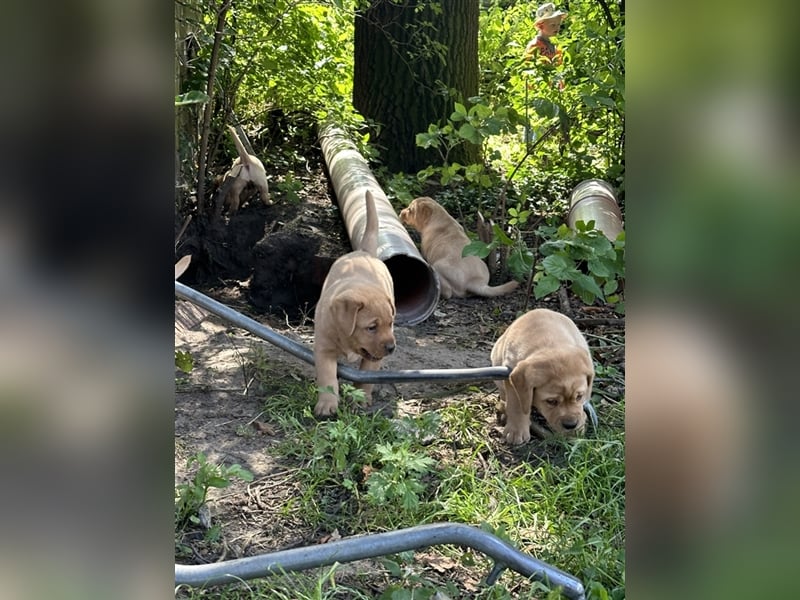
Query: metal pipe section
[381,544]
[594,200]
[416,286]
[350,373]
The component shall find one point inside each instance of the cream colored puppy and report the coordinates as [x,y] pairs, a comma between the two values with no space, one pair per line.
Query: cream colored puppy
[354,317]
[443,240]
[246,169]
[552,371]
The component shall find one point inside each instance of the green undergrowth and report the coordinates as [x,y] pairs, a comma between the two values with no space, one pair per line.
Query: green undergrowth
[561,501]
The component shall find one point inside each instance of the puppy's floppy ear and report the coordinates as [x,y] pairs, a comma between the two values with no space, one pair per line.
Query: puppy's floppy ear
[424,212]
[589,370]
[522,378]
[531,373]
[345,308]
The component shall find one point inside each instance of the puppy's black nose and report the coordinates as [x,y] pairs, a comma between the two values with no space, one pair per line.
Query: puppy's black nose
[389,348]
[569,425]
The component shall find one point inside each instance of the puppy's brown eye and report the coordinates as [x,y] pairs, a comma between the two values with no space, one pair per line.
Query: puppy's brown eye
[552,401]
[372,328]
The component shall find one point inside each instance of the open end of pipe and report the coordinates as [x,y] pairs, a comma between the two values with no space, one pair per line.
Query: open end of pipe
[416,288]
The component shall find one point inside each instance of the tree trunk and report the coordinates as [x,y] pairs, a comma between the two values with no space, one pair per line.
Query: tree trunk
[406,55]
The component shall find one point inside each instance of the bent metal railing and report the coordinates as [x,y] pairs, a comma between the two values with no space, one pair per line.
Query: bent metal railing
[381,544]
[377,544]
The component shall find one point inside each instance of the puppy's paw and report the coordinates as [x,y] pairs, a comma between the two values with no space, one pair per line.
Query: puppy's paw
[327,405]
[500,412]
[515,435]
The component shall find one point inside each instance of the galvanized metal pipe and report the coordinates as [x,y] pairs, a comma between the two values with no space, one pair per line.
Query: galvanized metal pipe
[381,544]
[416,286]
[351,374]
[594,200]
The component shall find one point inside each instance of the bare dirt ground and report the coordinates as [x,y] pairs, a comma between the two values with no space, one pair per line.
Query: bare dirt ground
[220,413]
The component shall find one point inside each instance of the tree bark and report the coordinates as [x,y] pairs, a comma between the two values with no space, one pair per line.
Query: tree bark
[406,55]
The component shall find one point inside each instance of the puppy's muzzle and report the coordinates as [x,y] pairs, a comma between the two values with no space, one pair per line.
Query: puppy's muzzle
[387,350]
[569,424]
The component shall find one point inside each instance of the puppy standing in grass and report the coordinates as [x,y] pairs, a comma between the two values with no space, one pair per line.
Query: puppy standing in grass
[552,371]
[246,169]
[443,240]
[354,317]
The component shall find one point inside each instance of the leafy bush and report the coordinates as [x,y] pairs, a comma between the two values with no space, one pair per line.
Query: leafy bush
[466,126]
[584,259]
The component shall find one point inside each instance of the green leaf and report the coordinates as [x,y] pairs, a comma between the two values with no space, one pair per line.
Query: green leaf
[217,481]
[239,471]
[461,111]
[589,101]
[184,361]
[597,591]
[469,133]
[427,140]
[599,268]
[393,567]
[586,287]
[481,111]
[501,236]
[520,263]
[610,286]
[544,108]
[546,285]
[560,267]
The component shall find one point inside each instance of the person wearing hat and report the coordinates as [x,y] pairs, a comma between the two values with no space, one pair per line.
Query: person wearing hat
[548,22]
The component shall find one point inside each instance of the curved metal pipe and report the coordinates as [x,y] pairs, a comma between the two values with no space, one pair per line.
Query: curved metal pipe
[416,286]
[350,373]
[381,544]
[594,200]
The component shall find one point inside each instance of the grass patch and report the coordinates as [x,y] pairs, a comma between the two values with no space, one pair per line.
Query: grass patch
[561,501]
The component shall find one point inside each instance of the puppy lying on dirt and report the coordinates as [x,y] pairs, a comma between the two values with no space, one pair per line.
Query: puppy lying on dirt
[443,240]
[552,372]
[246,169]
[354,317]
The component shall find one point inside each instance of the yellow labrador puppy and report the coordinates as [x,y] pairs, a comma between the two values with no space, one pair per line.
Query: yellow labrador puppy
[552,371]
[246,169]
[354,317]
[443,240]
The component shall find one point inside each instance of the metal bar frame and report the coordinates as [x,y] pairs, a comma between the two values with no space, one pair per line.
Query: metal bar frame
[381,544]
[351,374]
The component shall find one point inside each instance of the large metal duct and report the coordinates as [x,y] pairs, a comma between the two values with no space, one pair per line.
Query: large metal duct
[416,286]
[594,200]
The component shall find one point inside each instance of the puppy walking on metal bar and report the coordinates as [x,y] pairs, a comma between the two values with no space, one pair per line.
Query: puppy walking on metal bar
[354,317]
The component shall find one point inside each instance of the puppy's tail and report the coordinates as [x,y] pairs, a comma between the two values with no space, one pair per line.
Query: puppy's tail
[369,241]
[496,290]
[240,149]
